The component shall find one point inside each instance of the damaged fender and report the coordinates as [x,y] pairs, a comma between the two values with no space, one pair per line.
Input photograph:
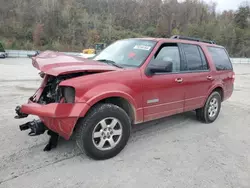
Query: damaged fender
[58,117]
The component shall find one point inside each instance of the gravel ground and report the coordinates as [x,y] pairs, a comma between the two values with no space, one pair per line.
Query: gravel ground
[175,152]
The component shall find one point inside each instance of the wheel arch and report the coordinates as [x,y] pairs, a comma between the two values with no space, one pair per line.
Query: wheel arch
[120,101]
[123,104]
[219,89]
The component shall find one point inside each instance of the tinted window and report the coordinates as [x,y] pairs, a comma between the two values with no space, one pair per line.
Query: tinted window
[193,57]
[170,53]
[220,58]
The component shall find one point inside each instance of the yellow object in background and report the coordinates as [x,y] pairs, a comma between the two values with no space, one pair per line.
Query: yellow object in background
[89,51]
[98,48]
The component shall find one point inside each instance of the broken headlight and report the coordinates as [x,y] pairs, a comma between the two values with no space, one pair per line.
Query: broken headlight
[68,94]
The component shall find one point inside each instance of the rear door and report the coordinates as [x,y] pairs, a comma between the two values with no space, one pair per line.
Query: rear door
[198,78]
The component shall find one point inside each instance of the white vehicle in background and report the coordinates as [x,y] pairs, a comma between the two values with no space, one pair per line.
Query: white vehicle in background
[88,56]
[3,53]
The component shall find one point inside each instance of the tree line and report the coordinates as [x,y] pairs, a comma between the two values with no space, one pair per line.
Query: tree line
[72,25]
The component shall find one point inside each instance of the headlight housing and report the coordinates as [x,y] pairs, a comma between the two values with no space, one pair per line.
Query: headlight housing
[68,93]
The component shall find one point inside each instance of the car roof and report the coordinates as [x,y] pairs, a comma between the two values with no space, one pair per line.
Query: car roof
[178,41]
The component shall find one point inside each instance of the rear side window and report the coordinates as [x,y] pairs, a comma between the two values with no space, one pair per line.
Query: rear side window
[195,58]
[220,58]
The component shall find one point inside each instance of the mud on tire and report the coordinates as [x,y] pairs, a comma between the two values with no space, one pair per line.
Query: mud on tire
[105,125]
[211,109]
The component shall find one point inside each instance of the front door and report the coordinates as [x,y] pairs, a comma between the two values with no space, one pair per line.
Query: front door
[163,93]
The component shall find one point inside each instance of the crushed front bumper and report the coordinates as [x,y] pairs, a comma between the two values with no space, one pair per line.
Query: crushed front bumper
[58,117]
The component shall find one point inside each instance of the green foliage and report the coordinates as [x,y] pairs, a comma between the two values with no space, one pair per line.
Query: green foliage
[1,47]
[74,25]
[175,31]
[242,17]
[150,31]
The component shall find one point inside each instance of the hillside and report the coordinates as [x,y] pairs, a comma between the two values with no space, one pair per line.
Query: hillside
[71,25]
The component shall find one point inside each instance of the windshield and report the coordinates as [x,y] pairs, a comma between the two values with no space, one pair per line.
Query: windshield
[127,53]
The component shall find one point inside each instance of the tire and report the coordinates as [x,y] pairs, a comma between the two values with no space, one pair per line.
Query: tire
[210,112]
[93,125]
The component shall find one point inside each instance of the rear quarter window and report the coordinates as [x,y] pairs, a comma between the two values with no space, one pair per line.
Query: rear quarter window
[220,58]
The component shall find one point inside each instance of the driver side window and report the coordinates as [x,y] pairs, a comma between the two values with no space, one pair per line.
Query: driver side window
[170,54]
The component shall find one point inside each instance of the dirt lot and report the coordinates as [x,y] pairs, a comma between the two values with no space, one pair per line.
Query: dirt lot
[175,152]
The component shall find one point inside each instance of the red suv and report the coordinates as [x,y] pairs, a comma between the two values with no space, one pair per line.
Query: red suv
[130,82]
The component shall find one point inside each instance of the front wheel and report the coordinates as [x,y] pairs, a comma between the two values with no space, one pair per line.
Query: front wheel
[211,110]
[104,132]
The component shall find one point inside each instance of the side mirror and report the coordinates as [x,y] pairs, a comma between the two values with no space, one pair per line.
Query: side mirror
[159,66]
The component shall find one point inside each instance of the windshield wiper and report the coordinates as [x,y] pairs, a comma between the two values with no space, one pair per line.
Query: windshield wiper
[110,62]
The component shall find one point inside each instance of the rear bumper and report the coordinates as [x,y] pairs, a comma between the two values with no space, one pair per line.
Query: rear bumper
[58,117]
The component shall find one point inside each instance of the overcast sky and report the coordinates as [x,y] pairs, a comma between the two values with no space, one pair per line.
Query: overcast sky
[227,4]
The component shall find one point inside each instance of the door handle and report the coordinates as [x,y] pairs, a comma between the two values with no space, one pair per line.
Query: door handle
[209,77]
[179,80]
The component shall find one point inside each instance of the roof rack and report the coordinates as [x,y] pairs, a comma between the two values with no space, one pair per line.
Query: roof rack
[192,39]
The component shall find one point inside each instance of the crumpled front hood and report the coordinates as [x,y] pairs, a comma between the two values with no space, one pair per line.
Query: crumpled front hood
[57,63]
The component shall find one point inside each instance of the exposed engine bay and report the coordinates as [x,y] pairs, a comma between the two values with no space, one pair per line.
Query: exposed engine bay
[52,93]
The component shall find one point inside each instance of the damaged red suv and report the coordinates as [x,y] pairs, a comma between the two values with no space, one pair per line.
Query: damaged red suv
[130,82]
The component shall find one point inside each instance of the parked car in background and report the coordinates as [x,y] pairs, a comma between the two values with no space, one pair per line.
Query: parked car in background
[130,82]
[3,53]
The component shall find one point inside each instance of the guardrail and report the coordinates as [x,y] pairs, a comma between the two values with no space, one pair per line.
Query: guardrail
[240,60]
[25,53]
[19,53]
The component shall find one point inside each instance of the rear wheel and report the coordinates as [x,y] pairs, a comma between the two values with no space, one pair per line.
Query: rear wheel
[104,132]
[211,110]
